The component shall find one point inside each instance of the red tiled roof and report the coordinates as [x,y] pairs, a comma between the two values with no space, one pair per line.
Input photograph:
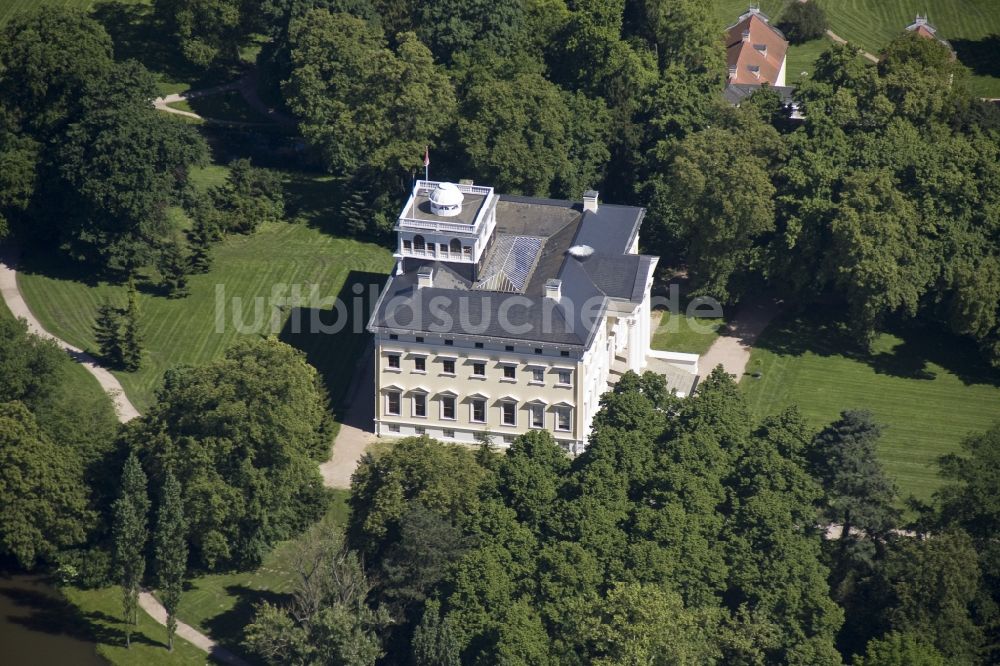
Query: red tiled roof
[759,58]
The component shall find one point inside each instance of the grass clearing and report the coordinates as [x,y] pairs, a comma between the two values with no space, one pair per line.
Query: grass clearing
[222,604]
[228,106]
[682,333]
[928,387]
[100,613]
[244,294]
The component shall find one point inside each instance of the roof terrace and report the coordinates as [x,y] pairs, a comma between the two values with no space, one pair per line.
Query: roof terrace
[418,215]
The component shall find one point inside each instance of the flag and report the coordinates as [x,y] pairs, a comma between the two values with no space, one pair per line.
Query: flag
[427,156]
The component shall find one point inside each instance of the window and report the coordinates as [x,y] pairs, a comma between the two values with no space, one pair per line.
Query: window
[563,418]
[478,411]
[564,353]
[565,376]
[448,407]
[538,350]
[448,366]
[393,360]
[537,415]
[420,405]
[479,345]
[449,434]
[456,246]
[393,336]
[508,413]
[418,243]
[419,338]
[509,347]
[393,427]
[509,372]
[479,369]
[508,439]
[392,403]
[444,248]
[420,364]
[538,375]
[449,343]
[407,245]
[419,430]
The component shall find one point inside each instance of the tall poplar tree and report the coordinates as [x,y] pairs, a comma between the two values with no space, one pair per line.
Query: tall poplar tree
[130,534]
[171,551]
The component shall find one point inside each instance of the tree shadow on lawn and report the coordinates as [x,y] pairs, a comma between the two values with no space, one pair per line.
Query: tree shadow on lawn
[54,615]
[227,627]
[333,337]
[39,259]
[825,333]
[981,56]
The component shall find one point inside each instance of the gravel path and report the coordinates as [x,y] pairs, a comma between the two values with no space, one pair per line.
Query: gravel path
[356,430]
[731,350]
[125,410]
[152,606]
[247,87]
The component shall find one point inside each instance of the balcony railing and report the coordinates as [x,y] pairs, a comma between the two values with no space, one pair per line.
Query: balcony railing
[431,225]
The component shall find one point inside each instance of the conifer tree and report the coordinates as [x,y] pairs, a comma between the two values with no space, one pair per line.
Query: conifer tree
[173,267]
[130,534]
[353,212]
[107,332]
[200,238]
[171,551]
[131,339]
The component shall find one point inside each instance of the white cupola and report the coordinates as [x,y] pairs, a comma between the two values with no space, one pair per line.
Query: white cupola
[446,200]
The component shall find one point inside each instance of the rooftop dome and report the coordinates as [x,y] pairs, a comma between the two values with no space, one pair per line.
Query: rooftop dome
[446,200]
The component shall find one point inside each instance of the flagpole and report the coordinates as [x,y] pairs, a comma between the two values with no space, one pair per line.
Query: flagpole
[427,163]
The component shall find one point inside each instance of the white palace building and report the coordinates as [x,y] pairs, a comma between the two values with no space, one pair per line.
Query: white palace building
[506,314]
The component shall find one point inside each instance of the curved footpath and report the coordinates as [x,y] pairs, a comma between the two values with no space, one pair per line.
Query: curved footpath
[125,410]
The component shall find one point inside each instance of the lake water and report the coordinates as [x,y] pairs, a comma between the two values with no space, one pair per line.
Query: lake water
[38,627]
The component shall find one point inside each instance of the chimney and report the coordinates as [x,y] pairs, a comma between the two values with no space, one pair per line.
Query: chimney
[590,200]
[553,289]
[425,277]
[732,71]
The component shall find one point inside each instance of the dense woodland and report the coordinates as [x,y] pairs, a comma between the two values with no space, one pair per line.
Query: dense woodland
[687,533]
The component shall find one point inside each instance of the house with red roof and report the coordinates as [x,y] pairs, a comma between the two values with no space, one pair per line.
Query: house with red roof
[755,50]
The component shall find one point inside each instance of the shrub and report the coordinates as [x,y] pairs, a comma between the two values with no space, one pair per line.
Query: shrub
[803,21]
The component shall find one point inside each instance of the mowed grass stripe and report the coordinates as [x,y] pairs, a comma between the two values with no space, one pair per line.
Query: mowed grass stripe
[923,385]
[183,331]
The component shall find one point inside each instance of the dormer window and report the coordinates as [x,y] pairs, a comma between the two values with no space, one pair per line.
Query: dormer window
[754,69]
[762,48]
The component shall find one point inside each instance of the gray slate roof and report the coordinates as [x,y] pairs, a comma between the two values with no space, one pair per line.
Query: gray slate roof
[451,306]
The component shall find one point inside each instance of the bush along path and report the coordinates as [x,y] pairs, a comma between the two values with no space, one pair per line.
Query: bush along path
[125,410]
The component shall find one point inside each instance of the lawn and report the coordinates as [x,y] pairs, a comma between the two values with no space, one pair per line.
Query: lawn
[228,105]
[971,26]
[680,333]
[929,388]
[241,296]
[100,613]
[220,605]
